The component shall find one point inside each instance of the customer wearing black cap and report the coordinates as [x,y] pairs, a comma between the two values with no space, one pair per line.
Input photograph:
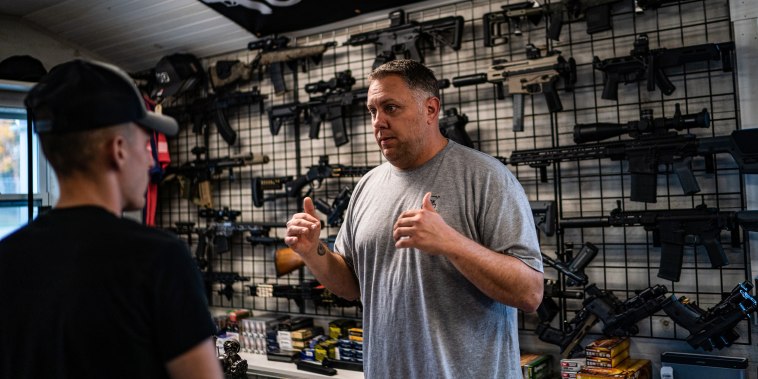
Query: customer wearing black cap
[85,293]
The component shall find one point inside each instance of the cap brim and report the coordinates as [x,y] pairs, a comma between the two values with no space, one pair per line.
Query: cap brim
[160,123]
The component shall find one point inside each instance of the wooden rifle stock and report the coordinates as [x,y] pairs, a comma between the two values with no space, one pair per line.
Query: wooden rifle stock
[287,260]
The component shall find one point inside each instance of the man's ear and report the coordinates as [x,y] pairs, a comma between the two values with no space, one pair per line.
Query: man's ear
[115,151]
[432,108]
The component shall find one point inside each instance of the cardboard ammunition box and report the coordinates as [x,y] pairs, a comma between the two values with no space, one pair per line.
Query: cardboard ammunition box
[339,328]
[572,364]
[615,361]
[629,369]
[569,375]
[306,333]
[607,347]
[536,366]
[356,334]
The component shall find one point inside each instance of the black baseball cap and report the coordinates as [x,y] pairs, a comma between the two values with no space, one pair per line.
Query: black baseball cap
[84,95]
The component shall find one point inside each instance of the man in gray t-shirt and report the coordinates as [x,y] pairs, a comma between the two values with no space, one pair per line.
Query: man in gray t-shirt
[438,243]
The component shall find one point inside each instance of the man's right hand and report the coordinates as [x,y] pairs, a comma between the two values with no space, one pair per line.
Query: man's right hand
[304,230]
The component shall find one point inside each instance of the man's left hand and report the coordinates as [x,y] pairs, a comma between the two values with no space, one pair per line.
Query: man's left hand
[423,229]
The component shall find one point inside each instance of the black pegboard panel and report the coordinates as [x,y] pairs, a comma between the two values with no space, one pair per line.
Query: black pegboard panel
[627,261]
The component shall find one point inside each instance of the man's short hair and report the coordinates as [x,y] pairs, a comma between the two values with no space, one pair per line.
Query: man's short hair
[418,77]
[76,151]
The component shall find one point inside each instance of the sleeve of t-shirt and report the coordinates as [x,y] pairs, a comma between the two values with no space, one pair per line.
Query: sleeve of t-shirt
[181,309]
[507,224]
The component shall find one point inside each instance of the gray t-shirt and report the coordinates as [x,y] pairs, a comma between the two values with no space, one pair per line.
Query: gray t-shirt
[422,318]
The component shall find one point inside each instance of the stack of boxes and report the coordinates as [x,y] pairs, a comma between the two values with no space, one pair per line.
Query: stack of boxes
[609,358]
[570,367]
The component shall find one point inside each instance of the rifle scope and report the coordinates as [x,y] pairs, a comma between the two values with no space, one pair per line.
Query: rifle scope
[645,126]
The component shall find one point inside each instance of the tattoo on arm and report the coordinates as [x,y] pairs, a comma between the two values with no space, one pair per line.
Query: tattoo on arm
[321,249]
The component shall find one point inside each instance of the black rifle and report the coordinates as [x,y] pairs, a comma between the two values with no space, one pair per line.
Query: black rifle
[204,111]
[453,126]
[548,308]
[227,279]
[570,335]
[620,318]
[195,176]
[334,212]
[544,216]
[333,105]
[189,229]
[647,125]
[573,270]
[647,64]
[294,185]
[597,14]
[534,75]
[674,228]
[274,53]
[646,153]
[713,328]
[222,226]
[407,39]
[308,290]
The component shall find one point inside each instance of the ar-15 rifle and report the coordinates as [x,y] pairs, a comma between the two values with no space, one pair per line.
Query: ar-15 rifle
[713,328]
[223,225]
[227,279]
[674,228]
[274,52]
[620,318]
[453,126]
[407,39]
[597,14]
[534,75]
[204,111]
[195,176]
[646,153]
[336,210]
[570,335]
[308,290]
[335,103]
[293,186]
[649,64]
[647,125]
[574,270]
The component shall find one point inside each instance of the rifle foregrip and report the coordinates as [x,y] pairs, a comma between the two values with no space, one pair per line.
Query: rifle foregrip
[671,261]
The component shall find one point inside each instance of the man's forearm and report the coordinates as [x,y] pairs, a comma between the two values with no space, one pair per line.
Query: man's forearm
[331,270]
[502,277]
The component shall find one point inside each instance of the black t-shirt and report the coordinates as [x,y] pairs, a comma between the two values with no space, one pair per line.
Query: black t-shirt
[85,294]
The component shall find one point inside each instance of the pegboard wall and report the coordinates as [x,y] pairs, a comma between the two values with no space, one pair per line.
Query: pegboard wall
[626,261]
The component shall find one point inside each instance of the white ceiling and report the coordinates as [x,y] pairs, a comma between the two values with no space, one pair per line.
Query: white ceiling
[134,34]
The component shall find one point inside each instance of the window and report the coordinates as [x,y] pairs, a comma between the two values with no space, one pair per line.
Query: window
[14,169]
